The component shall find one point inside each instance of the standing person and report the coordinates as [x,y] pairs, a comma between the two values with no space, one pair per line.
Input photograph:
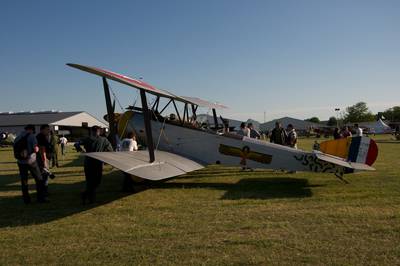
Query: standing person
[25,149]
[359,131]
[291,139]
[278,134]
[54,149]
[93,168]
[346,132]
[63,144]
[128,144]
[336,134]
[43,141]
[244,131]
[253,133]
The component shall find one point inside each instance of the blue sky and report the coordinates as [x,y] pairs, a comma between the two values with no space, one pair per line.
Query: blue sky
[287,58]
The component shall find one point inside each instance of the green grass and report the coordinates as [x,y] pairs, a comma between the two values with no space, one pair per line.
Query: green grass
[215,216]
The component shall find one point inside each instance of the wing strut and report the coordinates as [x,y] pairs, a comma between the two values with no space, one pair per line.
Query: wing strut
[215,118]
[147,125]
[110,113]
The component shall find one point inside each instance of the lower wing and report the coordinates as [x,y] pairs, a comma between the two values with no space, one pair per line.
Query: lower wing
[136,163]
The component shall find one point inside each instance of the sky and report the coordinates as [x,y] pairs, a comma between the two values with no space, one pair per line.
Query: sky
[285,58]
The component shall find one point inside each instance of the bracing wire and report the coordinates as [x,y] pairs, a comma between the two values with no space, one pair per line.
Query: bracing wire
[116,98]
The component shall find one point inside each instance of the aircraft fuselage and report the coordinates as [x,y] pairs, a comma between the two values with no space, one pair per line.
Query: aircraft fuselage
[209,147]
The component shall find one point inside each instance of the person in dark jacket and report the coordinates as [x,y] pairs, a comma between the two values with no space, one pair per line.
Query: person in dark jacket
[54,141]
[93,168]
[253,132]
[336,133]
[278,134]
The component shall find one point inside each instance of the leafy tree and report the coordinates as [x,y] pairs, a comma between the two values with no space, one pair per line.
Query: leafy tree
[313,119]
[332,121]
[358,113]
[392,114]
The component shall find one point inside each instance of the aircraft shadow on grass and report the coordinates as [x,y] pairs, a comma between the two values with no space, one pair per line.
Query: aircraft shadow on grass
[253,188]
[65,200]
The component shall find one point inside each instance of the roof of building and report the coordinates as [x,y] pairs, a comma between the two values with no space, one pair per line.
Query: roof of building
[48,117]
[297,123]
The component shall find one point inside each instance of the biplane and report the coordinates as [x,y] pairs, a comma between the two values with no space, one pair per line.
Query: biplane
[177,144]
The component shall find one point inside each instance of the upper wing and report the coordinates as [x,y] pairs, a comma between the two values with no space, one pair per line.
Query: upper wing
[139,84]
[203,103]
[167,164]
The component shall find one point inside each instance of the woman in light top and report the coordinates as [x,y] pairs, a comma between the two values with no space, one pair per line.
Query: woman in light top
[129,143]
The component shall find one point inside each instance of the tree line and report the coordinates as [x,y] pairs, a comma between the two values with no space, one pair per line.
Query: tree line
[360,112]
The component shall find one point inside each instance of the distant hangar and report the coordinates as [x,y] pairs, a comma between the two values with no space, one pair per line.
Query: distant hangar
[75,124]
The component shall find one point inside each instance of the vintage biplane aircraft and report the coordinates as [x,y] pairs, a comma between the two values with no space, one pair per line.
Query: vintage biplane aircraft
[178,144]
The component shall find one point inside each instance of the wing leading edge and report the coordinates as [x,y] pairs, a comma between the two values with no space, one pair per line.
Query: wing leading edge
[167,164]
[139,84]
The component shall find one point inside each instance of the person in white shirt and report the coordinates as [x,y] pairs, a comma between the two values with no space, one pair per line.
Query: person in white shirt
[291,140]
[244,131]
[129,143]
[63,141]
[359,131]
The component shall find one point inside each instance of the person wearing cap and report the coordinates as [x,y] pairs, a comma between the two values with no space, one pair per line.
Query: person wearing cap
[93,167]
[27,163]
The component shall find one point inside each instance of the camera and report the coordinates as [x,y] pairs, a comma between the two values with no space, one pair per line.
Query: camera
[47,174]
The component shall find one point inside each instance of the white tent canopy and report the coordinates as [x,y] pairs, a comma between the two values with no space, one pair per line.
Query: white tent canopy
[377,127]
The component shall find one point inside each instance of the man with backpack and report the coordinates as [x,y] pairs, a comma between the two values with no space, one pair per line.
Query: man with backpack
[25,150]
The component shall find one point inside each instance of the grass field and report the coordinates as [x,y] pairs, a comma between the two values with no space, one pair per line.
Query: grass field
[216,216]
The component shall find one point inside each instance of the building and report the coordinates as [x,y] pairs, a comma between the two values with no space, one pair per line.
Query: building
[301,126]
[74,124]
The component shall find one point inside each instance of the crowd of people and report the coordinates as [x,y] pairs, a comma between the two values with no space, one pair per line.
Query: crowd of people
[36,154]
[278,135]
[346,132]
